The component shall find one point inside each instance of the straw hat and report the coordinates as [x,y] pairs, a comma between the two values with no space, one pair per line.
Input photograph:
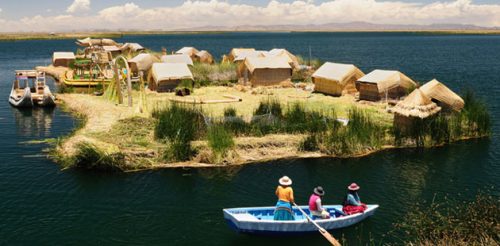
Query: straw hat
[285,180]
[353,187]
[319,191]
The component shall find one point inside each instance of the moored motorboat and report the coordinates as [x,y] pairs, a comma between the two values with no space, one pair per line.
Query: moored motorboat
[259,220]
[24,94]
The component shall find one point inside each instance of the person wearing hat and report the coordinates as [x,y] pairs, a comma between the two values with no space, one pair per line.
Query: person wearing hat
[352,202]
[284,192]
[317,210]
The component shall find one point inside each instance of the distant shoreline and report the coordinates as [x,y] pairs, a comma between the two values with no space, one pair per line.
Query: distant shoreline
[75,35]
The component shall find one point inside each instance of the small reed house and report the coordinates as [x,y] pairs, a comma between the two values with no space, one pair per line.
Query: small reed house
[382,84]
[442,95]
[63,59]
[189,51]
[204,57]
[266,71]
[413,109]
[167,76]
[336,79]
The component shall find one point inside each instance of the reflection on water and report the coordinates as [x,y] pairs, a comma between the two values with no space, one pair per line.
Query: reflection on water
[33,122]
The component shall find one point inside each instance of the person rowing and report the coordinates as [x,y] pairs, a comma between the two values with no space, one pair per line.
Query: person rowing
[284,192]
[315,206]
[352,203]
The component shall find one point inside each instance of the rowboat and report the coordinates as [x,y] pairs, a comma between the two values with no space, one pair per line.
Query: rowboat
[259,220]
[23,94]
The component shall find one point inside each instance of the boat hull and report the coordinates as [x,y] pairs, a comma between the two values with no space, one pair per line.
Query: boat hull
[21,101]
[259,220]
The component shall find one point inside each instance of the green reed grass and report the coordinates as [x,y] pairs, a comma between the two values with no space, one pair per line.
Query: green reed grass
[89,156]
[178,125]
[220,142]
[453,223]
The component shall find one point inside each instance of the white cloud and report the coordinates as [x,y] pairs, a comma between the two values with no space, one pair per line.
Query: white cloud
[196,13]
[79,5]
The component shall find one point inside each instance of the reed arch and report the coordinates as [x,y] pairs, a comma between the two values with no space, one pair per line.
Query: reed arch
[129,81]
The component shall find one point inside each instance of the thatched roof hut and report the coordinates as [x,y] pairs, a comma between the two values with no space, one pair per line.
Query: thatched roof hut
[336,79]
[63,59]
[380,84]
[266,71]
[141,62]
[87,42]
[204,57]
[167,76]
[190,51]
[177,58]
[235,52]
[291,58]
[114,50]
[442,95]
[417,105]
[412,110]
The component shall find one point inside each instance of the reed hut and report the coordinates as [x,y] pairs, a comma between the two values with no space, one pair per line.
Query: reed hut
[415,107]
[291,58]
[177,58]
[167,76]
[242,56]
[63,59]
[442,96]
[235,52]
[380,84]
[190,51]
[112,49]
[204,57]
[266,71]
[141,63]
[336,79]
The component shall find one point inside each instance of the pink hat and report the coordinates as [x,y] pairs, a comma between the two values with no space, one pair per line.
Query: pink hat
[353,187]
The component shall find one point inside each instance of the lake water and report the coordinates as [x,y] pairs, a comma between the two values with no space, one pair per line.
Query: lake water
[42,205]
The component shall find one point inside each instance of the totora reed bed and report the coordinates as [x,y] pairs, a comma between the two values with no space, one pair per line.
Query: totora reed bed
[267,124]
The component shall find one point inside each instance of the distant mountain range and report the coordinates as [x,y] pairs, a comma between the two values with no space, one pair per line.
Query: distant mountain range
[349,26]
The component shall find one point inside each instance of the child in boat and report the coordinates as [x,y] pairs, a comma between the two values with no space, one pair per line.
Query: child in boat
[352,203]
[315,206]
[284,192]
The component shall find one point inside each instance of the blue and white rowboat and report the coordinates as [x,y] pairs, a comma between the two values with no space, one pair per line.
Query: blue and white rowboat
[259,220]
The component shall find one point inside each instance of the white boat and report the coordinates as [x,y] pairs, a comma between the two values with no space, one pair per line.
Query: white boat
[29,89]
[259,220]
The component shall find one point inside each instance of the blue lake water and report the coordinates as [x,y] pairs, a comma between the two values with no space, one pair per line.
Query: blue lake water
[42,205]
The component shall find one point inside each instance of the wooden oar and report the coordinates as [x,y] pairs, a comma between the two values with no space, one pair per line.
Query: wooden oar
[323,232]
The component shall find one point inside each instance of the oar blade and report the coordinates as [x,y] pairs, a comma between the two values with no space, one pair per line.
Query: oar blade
[329,237]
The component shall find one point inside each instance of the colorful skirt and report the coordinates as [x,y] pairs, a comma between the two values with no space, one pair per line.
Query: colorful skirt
[283,211]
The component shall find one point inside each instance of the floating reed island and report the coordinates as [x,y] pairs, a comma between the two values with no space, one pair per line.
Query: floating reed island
[144,110]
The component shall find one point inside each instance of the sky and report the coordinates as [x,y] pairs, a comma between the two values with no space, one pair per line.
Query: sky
[75,15]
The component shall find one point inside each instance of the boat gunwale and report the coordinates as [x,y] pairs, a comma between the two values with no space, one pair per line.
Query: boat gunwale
[371,207]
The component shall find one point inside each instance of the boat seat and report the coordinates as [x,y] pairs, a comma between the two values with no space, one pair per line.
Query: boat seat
[246,217]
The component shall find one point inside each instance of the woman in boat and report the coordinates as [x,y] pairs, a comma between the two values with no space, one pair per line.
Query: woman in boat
[352,203]
[284,192]
[315,206]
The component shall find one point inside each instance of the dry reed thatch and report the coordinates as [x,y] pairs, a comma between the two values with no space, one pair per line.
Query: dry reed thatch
[204,57]
[416,105]
[445,97]
[235,52]
[379,83]
[266,71]
[336,78]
